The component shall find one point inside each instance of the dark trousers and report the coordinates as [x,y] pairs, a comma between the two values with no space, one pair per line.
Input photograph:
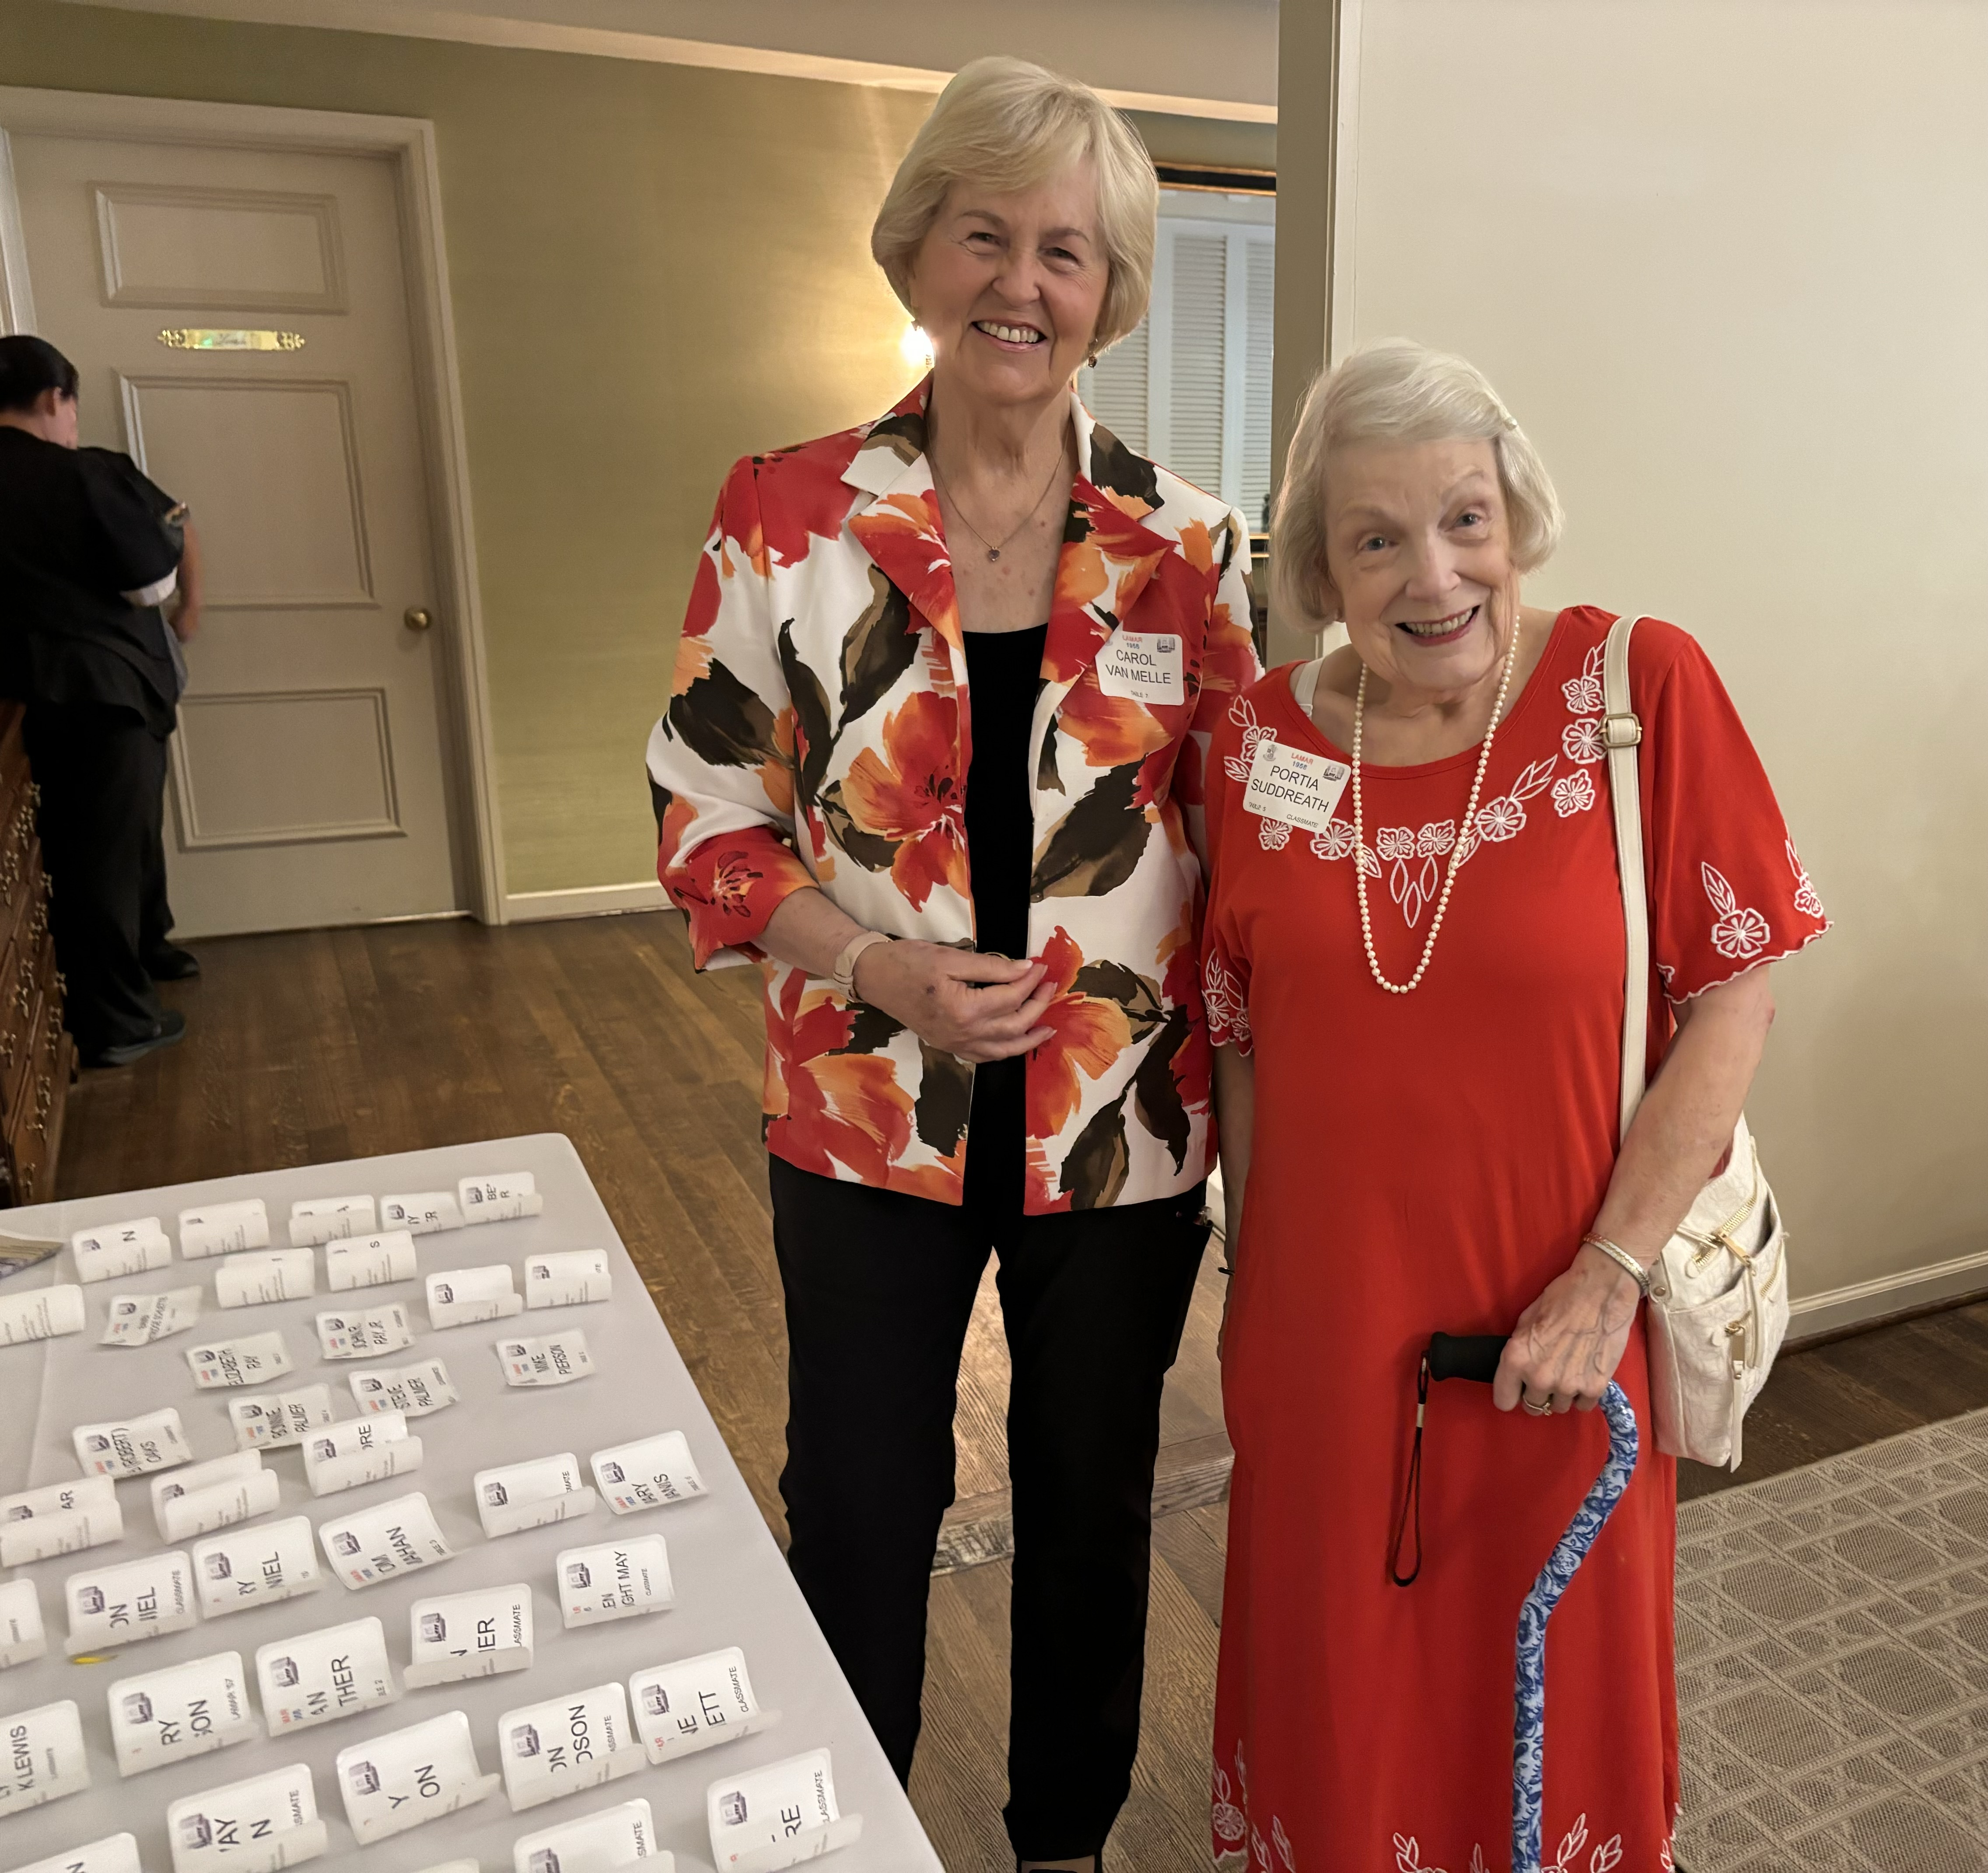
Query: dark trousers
[879,1290]
[102,772]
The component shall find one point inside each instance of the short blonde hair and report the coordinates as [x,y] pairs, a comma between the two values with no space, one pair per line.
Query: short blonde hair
[1399,391]
[1007,125]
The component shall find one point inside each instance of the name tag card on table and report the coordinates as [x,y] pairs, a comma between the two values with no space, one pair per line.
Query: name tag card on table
[499,1198]
[134,1447]
[202,1497]
[22,1636]
[120,1249]
[569,1279]
[359,1451]
[60,1518]
[259,1276]
[422,1214]
[184,1710]
[45,1758]
[41,1313]
[223,1228]
[516,1496]
[647,1473]
[695,1704]
[326,1219]
[555,1359]
[116,1853]
[614,1579]
[370,1261]
[367,1335]
[777,1817]
[398,1781]
[476,1635]
[415,1390]
[256,1566]
[600,1843]
[279,1417]
[315,1678]
[137,1320]
[258,1826]
[132,1600]
[253,1361]
[566,1745]
[384,1542]
[461,1296]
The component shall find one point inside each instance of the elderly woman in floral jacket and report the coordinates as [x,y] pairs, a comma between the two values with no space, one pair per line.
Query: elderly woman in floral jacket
[934,760]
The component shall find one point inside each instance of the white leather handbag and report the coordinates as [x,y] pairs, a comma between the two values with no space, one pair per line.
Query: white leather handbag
[1719,1294]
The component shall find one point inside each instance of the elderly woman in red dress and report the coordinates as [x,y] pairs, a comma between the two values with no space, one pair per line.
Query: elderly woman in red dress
[1418,1004]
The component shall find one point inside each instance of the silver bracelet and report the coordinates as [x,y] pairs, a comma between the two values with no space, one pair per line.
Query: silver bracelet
[1623,1259]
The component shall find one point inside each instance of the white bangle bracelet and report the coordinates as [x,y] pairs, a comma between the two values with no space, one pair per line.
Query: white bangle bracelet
[843,974]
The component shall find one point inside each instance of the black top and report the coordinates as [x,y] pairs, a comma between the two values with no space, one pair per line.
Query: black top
[1004,676]
[79,528]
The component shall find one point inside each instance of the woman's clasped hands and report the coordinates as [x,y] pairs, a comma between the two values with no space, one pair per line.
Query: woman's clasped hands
[979,1007]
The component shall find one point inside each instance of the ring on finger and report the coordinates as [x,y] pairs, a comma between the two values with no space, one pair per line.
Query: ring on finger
[1541,1408]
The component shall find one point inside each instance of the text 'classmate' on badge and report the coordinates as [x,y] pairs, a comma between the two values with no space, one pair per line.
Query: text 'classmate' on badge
[1288,784]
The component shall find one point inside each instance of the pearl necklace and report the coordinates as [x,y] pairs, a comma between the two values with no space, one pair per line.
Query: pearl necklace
[1456,852]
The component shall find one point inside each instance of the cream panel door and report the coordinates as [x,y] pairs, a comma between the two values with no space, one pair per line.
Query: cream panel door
[308,776]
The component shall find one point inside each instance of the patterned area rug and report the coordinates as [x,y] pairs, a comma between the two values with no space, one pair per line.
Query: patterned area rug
[1832,1647]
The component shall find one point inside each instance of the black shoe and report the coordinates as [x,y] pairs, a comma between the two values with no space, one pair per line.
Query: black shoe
[170,963]
[170,1028]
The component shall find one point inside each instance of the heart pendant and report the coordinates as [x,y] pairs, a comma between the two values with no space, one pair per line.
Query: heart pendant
[993,553]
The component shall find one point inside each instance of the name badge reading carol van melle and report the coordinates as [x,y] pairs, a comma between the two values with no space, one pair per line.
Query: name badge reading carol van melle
[1299,788]
[1144,666]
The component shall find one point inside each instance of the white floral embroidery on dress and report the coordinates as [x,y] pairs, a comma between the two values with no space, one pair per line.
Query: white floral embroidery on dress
[1241,712]
[1228,1008]
[1806,900]
[1400,847]
[1583,693]
[1273,835]
[1739,931]
[1603,1859]
[1582,741]
[1573,794]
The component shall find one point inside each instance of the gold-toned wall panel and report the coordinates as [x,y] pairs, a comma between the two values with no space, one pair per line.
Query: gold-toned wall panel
[250,249]
[281,767]
[269,467]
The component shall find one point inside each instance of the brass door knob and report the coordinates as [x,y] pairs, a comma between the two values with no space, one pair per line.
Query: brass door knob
[415,619]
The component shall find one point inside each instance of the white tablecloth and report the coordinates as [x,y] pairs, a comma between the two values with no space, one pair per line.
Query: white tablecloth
[732,1586]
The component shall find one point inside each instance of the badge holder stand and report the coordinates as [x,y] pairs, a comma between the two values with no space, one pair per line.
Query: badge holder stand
[809,1843]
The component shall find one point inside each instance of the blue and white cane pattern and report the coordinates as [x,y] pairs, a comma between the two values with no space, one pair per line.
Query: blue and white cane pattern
[1529,1725]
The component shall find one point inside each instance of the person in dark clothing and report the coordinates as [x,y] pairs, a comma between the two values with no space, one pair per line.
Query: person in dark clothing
[90,549]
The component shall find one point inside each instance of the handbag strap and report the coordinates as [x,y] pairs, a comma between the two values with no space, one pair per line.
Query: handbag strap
[1621,730]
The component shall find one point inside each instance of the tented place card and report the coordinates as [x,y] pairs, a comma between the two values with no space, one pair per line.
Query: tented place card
[361,1450]
[279,1418]
[116,1853]
[256,1566]
[268,1822]
[184,1710]
[367,1335]
[253,1361]
[45,1758]
[370,1261]
[202,1497]
[776,1817]
[648,1473]
[398,1781]
[118,1249]
[569,1279]
[566,1744]
[41,1313]
[22,1637]
[516,1496]
[130,1449]
[554,1359]
[60,1518]
[132,1600]
[461,1296]
[470,1635]
[319,1677]
[223,1228]
[326,1220]
[614,1580]
[423,1213]
[497,1199]
[261,1275]
[603,1842]
[384,1542]
[415,1390]
[137,1320]
[682,1708]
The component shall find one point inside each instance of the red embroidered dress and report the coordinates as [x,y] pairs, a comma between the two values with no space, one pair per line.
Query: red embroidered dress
[1428,1161]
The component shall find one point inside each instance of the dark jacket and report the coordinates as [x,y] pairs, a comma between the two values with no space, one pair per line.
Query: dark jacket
[79,529]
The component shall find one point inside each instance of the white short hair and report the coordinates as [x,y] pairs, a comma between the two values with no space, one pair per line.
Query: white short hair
[1399,391]
[1007,125]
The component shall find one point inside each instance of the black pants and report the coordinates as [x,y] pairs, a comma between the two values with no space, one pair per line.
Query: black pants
[879,1290]
[102,772]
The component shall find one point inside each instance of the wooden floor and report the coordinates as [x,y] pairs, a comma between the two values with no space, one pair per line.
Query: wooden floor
[332,1044]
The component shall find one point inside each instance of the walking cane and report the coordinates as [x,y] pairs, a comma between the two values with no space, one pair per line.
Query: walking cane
[1450,1358]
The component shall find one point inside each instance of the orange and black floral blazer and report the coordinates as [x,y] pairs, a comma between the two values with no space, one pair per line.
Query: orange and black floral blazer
[819,732]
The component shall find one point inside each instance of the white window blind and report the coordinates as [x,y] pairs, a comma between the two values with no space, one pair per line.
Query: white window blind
[1191,387]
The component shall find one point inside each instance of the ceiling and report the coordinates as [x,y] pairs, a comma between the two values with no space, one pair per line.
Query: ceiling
[1195,58]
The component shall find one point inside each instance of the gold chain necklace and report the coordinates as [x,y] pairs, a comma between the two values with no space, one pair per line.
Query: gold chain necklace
[1457,852]
[994,551]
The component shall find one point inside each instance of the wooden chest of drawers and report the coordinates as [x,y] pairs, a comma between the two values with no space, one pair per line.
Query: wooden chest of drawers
[37,1057]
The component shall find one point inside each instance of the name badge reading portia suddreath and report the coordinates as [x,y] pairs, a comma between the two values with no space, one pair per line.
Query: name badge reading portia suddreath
[1144,666]
[1288,784]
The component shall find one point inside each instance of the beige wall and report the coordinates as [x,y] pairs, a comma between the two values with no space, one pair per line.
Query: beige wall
[1726,259]
[655,269]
